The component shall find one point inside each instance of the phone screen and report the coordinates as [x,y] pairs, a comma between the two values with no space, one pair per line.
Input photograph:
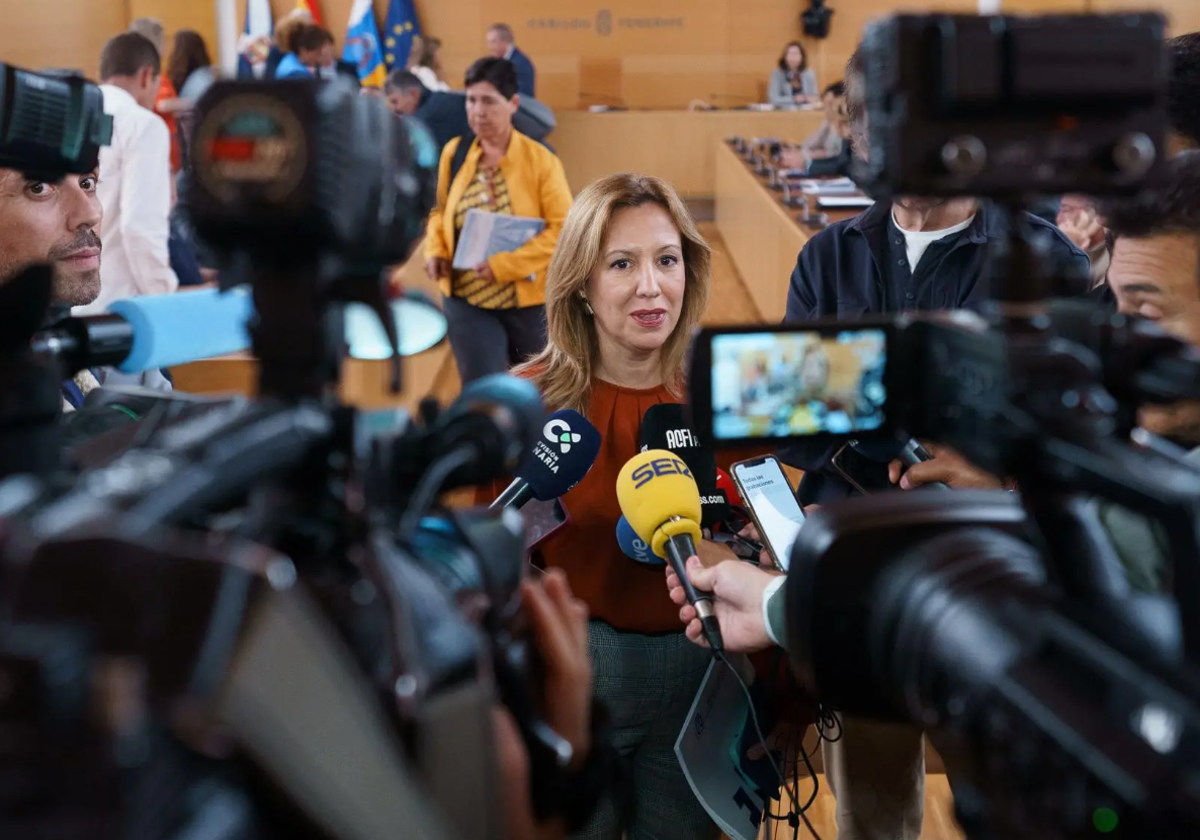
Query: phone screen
[862,473]
[768,494]
[787,384]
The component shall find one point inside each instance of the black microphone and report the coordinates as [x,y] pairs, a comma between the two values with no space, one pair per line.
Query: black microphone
[558,460]
[665,426]
[482,435]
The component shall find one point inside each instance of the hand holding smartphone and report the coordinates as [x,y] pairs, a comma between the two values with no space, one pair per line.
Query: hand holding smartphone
[772,504]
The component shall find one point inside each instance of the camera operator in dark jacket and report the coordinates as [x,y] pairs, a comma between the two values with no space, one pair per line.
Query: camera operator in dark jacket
[912,254]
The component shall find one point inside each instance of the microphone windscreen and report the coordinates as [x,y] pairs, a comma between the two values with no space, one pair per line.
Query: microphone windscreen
[562,456]
[185,326]
[665,426]
[727,487]
[659,497]
[634,546]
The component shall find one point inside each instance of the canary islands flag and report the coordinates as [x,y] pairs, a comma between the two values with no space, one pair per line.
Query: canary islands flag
[255,42]
[362,45]
[398,33]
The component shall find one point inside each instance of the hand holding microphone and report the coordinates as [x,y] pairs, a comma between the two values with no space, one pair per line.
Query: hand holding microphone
[661,502]
[738,589]
[938,466]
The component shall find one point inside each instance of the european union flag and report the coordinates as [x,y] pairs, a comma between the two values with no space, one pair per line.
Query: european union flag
[362,45]
[398,33]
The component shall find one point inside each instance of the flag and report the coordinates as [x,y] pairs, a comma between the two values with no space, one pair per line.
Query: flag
[398,33]
[252,49]
[313,8]
[362,44]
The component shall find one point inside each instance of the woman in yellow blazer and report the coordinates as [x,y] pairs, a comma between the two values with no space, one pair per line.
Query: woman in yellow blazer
[496,311]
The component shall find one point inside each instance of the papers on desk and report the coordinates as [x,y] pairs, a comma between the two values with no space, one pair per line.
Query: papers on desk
[844,202]
[486,234]
[710,749]
[830,186]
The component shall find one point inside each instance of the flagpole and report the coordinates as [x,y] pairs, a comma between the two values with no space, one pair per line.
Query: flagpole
[227,36]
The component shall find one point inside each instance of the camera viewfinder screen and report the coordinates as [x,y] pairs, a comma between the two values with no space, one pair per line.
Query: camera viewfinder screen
[791,384]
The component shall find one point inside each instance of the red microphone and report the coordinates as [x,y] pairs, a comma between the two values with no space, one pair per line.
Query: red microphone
[726,485]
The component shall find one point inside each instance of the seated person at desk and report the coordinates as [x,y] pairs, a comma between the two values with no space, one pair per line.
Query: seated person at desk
[813,165]
[792,82]
[826,141]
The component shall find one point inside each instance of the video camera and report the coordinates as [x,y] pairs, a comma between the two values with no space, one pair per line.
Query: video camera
[1063,703]
[255,616]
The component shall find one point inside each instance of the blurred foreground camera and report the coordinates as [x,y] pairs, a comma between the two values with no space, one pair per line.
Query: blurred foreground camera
[1063,702]
[254,620]
[50,124]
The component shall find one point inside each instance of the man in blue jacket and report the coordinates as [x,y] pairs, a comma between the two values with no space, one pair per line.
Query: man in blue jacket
[502,44]
[444,113]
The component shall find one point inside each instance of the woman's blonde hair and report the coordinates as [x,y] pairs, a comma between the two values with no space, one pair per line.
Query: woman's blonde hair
[563,371]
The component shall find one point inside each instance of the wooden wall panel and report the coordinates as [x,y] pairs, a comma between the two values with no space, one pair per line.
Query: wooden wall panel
[200,15]
[61,34]
[640,53]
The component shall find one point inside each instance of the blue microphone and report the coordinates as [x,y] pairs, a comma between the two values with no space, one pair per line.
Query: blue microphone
[634,546]
[559,460]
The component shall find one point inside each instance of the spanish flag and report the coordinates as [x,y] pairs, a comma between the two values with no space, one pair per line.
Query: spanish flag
[313,8]
[362,45]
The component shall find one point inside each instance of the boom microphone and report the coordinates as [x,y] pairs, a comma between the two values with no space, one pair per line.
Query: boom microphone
[665,426]
[153,331]
[659,498]
[633,546]
[558,461]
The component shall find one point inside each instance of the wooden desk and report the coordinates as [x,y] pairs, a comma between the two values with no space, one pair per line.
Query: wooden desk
[761,236]
[677,146]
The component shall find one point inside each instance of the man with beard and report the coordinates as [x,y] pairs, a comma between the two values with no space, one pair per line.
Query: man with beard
[56,224]
[1155,273]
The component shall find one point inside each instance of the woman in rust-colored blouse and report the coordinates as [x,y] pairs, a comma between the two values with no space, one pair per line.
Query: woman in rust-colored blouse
[627,285]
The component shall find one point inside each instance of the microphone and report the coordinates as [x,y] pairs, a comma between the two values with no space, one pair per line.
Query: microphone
[908,453]
[659,498]
[494,421]
[728,488]
[160,331]
[634,546]
[152,331]
[665,426]
[557,462]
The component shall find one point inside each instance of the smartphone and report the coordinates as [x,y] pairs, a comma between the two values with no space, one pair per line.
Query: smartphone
[542,520]
[860,472]
[751,385]
[772,504]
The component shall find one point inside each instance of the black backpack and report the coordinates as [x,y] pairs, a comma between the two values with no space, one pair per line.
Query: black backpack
[460,155]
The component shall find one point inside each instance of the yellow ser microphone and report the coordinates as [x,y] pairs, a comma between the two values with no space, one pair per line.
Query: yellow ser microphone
[661,502]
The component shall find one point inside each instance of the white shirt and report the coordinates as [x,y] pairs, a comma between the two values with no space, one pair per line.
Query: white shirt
[768,594]
[916,242]
[429,78]
[135,195]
